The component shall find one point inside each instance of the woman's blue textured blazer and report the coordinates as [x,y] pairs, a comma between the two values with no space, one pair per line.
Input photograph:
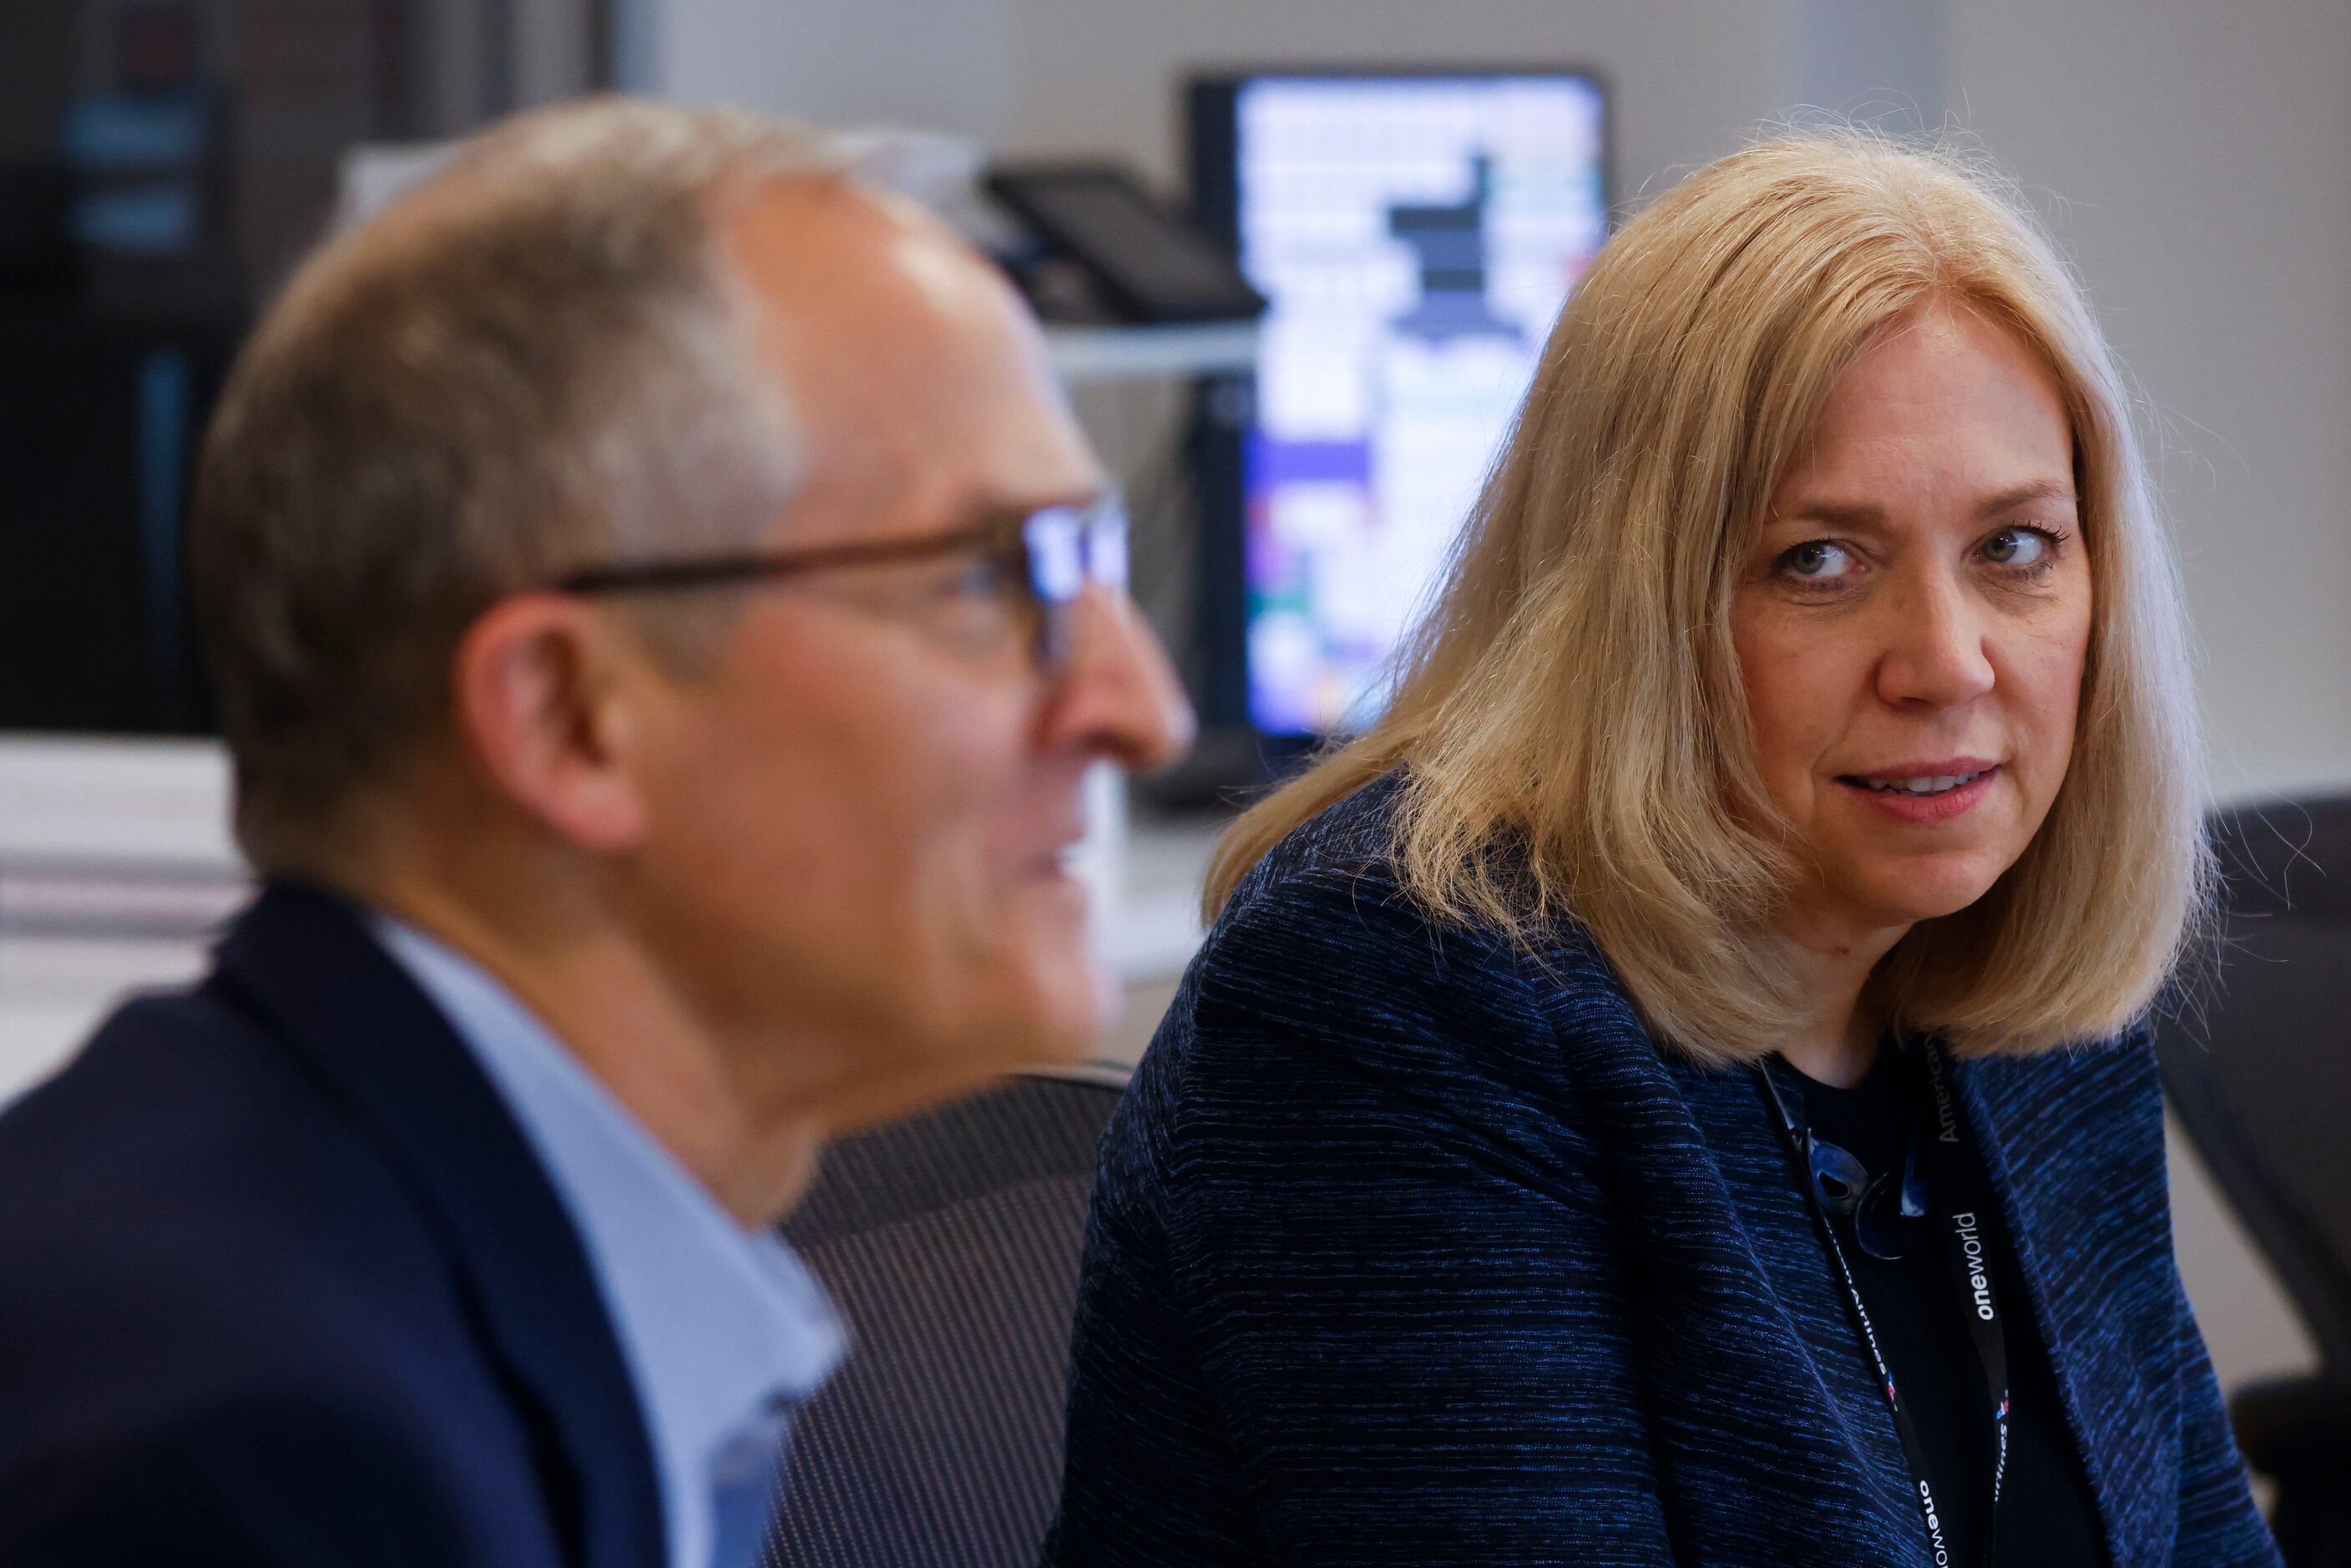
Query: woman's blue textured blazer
[1410,1248]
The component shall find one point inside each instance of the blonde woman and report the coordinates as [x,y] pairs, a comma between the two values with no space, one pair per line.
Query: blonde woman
[1671,1092]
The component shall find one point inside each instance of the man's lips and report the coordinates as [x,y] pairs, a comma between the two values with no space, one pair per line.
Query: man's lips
[1926,791]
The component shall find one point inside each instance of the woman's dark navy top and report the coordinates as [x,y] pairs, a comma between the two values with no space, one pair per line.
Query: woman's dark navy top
[1409,1246]
[1920,1314]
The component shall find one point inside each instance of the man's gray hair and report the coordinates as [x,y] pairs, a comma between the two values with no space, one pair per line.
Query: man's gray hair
[538,360]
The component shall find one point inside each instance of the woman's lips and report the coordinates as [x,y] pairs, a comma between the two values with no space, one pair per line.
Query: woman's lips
[1941,806]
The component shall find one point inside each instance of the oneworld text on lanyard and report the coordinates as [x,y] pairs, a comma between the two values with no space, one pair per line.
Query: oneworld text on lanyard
[1958,1184]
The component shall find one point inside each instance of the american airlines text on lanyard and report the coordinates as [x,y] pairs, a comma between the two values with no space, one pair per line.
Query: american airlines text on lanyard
[1958,1185]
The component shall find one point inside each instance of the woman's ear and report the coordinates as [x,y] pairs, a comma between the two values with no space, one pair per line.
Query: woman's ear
[544,705]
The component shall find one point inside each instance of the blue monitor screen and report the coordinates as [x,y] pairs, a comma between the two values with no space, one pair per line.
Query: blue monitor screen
[1414,237]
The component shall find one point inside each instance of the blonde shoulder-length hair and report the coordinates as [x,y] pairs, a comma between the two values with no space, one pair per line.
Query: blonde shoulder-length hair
[1569,722]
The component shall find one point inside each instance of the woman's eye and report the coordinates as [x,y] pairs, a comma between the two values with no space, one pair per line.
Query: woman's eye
[2017,547]
[1817,560]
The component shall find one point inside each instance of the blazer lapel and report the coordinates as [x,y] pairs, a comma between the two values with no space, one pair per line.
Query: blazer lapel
[2068,1171]
[304,960]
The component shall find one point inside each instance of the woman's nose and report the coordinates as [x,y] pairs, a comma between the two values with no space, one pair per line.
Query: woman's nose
[1935,652]
[1118,696]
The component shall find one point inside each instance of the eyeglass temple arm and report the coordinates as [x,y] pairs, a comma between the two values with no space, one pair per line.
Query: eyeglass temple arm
[702,570]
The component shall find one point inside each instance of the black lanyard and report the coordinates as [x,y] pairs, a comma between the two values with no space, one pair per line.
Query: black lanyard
[1958,1188]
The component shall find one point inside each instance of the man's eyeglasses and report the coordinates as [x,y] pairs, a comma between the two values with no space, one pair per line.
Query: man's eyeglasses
[1044,559]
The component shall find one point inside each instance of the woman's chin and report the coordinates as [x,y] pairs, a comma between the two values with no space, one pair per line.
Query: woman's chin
[1907,893]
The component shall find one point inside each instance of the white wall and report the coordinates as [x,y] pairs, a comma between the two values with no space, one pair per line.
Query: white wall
[2194,156]
[940,65]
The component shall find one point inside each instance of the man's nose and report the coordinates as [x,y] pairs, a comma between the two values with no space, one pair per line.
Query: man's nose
[1119,697]
[1935,653]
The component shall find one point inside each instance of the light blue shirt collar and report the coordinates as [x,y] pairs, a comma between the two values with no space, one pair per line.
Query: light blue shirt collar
[723,1328]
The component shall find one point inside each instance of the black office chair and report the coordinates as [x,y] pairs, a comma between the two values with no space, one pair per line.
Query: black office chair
[950,1243]
[2258,1069]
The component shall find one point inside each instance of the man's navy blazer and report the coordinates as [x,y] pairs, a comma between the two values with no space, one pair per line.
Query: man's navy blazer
[281,1282]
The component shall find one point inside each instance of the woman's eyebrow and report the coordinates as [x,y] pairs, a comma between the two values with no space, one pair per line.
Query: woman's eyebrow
[1835,514]
[2025,494]
[1863,514]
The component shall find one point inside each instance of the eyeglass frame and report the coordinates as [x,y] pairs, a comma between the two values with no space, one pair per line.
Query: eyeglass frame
[1093,534]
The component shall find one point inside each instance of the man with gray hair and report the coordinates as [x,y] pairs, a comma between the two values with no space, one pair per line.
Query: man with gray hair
[662,612]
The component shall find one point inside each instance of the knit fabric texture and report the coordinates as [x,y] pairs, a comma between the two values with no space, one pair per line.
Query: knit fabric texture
[1409,1246]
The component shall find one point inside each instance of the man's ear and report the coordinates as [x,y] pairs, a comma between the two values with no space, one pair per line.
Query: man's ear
[543,698]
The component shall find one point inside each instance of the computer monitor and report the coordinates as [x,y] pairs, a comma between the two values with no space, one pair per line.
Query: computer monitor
[1414,234]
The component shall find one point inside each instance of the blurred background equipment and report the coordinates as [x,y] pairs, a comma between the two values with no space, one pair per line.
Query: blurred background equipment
[2257,1066]
[1415,232]
[1122,257]
[162,164]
